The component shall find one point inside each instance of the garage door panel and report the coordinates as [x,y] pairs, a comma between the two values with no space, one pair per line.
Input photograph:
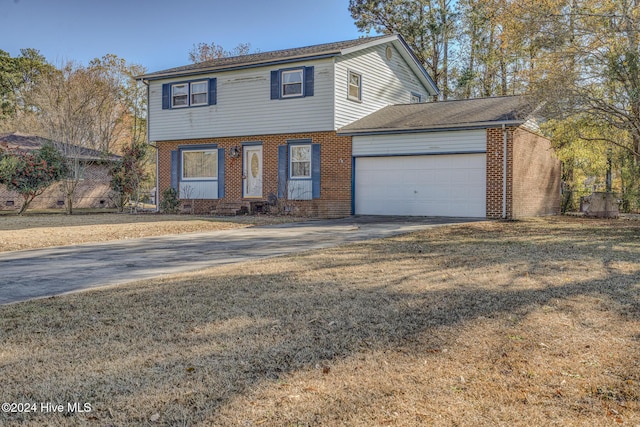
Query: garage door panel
[442,185]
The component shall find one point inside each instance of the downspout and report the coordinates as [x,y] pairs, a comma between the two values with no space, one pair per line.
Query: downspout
[157,196]
[504,171]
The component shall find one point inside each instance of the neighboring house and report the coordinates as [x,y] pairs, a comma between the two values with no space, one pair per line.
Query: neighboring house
[93,190]
[306,129]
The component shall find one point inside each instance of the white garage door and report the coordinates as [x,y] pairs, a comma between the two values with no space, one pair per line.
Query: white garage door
[436,185]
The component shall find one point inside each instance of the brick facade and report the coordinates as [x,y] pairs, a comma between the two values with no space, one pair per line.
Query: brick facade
[533,174]
[536,176]
[532,185]
[92,192]
[335,182]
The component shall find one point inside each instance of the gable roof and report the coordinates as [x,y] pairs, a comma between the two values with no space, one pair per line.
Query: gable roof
[22,142]
[445,115]
[284,56]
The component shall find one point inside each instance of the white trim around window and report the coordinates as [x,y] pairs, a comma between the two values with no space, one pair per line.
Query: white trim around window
[292,83]
[354,86]
[199,165]
[199,93]
[179,95]
[189,94]
[300,161]
[415,98]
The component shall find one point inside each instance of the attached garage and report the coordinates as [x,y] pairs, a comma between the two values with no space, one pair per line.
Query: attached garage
[481,158]
[421,174]
[436,185]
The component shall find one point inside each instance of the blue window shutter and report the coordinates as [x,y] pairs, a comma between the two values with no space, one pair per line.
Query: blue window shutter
[315,170]
[275,84]
[166,96]
[213,91]
[282,170]
[308,81]
[175,165]
[220,173]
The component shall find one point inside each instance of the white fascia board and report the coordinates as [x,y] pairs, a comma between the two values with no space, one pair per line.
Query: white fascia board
[373,43]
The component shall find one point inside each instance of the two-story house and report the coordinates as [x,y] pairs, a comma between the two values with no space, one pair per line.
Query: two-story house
[331,130]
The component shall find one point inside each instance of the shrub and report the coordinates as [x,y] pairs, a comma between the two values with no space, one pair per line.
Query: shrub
[170,202]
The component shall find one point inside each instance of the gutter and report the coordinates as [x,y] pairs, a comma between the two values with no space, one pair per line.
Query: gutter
[484,125]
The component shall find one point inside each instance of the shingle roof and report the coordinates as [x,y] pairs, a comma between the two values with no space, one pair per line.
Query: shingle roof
[471,113]
[254,59]
[19,141]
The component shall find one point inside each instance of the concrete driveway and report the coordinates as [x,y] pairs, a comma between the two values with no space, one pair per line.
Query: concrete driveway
[46,272]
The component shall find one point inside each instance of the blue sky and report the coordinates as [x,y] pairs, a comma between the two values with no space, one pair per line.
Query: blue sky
[158,34]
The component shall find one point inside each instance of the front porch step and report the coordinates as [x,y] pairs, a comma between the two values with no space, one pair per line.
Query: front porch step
[230,208]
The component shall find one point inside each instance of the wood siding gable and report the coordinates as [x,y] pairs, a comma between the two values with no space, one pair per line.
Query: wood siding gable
[384,82]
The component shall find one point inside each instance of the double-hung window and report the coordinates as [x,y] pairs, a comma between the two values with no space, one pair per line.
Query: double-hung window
[199,93]
[299,170]
[292,83]
[180,95]
[189,94]
[300,166]
[354,86]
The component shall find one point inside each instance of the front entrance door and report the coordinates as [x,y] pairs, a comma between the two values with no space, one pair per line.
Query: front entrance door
[252,171]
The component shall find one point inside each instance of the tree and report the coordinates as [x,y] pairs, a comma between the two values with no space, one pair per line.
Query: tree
[89,109]
[30,173]
[428,26]
[17,76]
[208,51]
[128,173]
[590,73]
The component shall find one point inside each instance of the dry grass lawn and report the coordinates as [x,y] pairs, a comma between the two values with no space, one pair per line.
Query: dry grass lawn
[32,231]
[526,323]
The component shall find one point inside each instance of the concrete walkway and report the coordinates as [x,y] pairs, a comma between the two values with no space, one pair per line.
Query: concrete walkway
[41,273]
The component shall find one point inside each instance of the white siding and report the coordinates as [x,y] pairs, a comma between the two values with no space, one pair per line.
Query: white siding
[420,143]
[244,107]
[300,189]
[198,189]
[384,82]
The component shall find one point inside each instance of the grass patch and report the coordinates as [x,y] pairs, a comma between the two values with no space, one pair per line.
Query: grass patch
[41,230]
[520,323]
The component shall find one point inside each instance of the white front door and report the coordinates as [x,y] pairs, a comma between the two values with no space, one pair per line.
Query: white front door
[252,173]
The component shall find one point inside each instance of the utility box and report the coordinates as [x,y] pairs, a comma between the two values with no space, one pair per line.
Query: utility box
[600,205]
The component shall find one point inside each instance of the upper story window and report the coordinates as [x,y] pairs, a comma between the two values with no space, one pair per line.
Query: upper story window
[355,86]
[189,94]
[199,93]
[180,95]
[416,98]
[199,164]
[292,83]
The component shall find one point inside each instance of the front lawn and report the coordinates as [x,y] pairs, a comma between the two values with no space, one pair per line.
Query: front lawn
[500,323]
[34,230]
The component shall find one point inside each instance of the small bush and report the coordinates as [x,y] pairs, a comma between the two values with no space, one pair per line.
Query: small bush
[170,202]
